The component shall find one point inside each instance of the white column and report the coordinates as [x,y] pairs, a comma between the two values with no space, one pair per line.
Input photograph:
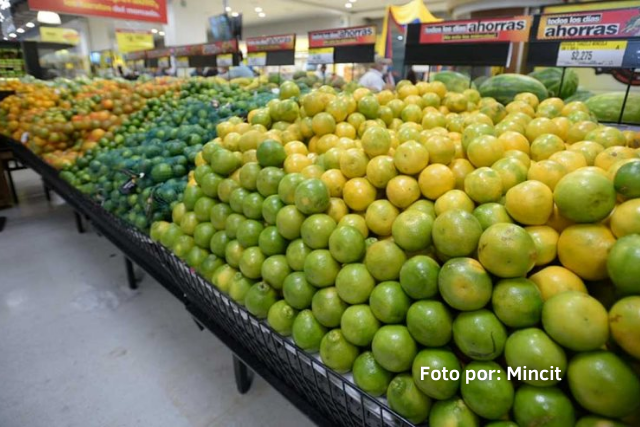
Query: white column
[187,22]
[101,34]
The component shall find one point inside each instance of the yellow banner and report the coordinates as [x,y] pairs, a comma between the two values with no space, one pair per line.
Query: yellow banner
[59,35]
[132,41]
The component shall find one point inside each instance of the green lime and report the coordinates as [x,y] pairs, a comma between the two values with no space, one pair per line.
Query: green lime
[430,323]
[289,221]
[203,234]
[219,214]
[252,206]
[359,325]
[532,349]
[297,291]
[218,243]
[412,230]
[232,224]
[271,242]
[320,268]
[211,184]
[548,406]
[389,303]
[251,262]
[171,235]
[203,208]
[248,233]
[406,399]
[281,317]
[200,171]
[327,307]
[394,348]
[426,206]
[236,200]
[239,287]
[369,375]
[191,195]
[592,421]
[268,180]
[259,299]
[271,153]
[223,161]
[419,277]
[195,257]
[464,284]
[430,376]
[346,244]
[479,334]
[517,302]
[384,260]
[249,175]
[270,208]
[487,390]
[297,253]
[189,223]
[274,270]
[307,332]
[491,213]
[225,188]
[183,245]
[336,352]
[223,277]
[316,230]
[626,180]
[209,265]
[178,212]
[355,283]
[287,187]
[452,413]
[312,196]
[233,253]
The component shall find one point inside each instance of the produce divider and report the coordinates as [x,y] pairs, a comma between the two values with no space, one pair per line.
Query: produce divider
[323,395]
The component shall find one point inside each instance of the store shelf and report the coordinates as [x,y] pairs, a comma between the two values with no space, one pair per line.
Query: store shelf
[326,397]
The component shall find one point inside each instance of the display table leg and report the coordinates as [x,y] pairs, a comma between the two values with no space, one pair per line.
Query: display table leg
[79,225]
[131,275]
[47,191]
[243,375]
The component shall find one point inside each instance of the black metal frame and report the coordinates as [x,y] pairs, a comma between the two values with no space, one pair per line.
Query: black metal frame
[323,395]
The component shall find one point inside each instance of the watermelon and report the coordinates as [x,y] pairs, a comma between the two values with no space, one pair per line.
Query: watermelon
[551,78]
[479,80]
[453,80]
[580,95]
[607,106]
[505,87]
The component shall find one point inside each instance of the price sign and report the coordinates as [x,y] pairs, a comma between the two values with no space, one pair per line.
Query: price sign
[182,62]
[322,55]
[257,59]
[592,53]
[225,60]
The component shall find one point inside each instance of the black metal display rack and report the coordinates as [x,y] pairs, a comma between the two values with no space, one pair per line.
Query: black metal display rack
[326,397]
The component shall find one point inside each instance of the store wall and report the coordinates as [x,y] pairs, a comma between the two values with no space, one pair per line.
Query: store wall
[300,27]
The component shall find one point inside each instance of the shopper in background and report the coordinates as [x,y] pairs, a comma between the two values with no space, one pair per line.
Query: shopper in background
[374,78]
[240,71]
[411,76]
[321,72]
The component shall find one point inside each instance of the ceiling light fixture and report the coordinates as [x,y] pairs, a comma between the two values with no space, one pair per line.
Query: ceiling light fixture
[154,31]
[51,18]
[13,35]
[348,5]
[353,1]
[5,38]
[400,38]
[30,25]
[258,9]
[235,14]
[161,33]
[262,14]
[227,9]
[20,30]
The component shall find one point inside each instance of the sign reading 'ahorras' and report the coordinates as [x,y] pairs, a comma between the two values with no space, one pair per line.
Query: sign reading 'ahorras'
[343,36]
[621,23]
[477,31]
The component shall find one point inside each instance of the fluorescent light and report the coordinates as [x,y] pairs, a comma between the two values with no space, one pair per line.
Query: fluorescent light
[400,38]
[5,38]
[258,9]
[51,18]
[235,14]
[161,33]
[13,35]
[154,31]
[30,25]
[20,30]
[227,9]
[348,5]
[262,14]
[353,1]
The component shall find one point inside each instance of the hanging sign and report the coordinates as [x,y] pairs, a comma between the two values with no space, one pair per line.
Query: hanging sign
[59,35]
[514,29]
[137,10]
[343,36]
[227,46]
[257,59]
[620,23]
[322,55]
[269,43]
[189,50]
[131,40]
[601,53]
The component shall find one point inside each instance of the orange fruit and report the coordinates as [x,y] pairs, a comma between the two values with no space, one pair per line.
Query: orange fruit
[583,249]
[548,172]
[376,141]
[380,170]
[460,168]
[483,185]
[585,197]
[514,141]
[520,156]
[384,260]
[380,216]
[511,171]
[441,148]
[625,219]
[557,221]
[296,162]
[554,279]
[353,163]
[358,194]
[435,180]
[507,250]
[412,229]
[346,130]
[530,203]
[546,240]
[540,126]
[545,145]
[335,181]
[579,130]
[529,98]
[323,123]
[456,233]
[337,209]
[292,147]
[611,155]
[402,191]
[485,150]
[356,221]
[571,160]
[410,157]
[453,199]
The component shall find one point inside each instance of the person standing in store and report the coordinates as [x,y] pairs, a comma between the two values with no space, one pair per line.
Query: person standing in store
[375,77]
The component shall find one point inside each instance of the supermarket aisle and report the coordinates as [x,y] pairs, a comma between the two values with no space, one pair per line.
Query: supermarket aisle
[78,348]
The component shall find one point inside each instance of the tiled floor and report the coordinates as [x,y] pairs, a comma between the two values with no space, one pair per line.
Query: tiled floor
[78,348]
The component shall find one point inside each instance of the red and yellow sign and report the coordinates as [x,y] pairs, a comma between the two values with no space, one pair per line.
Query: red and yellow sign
[132,41]
[59,35]
[602,24]
[188,50]
[137,10]
[227,46]
[267,43]
[503,30]
[343,36]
